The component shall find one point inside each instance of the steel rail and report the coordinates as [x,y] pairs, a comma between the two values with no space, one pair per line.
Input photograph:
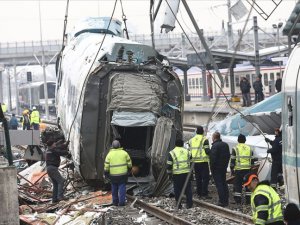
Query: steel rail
[225,213]
[159,213]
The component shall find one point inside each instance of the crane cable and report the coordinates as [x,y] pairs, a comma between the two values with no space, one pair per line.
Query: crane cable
[124,20]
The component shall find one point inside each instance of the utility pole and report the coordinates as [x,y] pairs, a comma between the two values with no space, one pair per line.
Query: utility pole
[17,89]
[256,47]
[1,87]
[229,27]
[9,91]
[44,66]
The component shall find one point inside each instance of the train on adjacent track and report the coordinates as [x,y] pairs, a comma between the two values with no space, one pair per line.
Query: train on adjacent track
[195,81]
[109,87]
[32,94]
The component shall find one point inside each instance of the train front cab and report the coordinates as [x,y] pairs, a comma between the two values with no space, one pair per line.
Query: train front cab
[291,126]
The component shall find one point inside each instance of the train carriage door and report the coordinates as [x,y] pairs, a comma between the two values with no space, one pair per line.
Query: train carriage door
[291,126]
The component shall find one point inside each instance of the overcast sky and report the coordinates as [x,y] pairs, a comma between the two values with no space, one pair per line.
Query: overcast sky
[19,20]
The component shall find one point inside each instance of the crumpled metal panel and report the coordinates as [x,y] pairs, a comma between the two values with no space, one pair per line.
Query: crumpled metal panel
[133,119]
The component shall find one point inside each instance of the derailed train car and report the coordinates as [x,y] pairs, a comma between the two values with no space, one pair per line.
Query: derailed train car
[116,88]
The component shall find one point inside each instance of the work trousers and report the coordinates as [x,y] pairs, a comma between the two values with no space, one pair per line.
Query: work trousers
[219,176]
[237,186]
[178,182]
[246,99]
[36,126]
[57,181]
[276,173]
[26,126]
[259,96]
[118,191]
[202,178]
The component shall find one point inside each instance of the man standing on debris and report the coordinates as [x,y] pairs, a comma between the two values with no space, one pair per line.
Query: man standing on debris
[219,157]
[55,149]
[265,202]
[245,89]
[35,118]
[199,147]
[276,153]
[178,167]
[240,165]
[116,167]
[258,88]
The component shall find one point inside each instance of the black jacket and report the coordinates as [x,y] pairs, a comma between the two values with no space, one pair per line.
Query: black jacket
[54,152]
[245,86]
[278,84]
[219,155]
[276,150]
[257,85]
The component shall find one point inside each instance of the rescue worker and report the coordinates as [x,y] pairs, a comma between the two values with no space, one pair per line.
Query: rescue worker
[200,158]
[265,202]
[178,167]
[219,157]
[291,214]
[4,108]
[25,120]
[35,118]
[13,122]
[276,154]
[116,167]
[240,165]
[55,149]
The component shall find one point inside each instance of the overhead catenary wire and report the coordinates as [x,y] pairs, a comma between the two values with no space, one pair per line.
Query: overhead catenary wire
[220,88]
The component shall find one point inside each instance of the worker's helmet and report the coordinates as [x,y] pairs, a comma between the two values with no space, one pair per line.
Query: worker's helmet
[33,108]
[247,179]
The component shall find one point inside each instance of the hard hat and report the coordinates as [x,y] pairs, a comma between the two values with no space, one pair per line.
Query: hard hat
[248,178]
[33,107]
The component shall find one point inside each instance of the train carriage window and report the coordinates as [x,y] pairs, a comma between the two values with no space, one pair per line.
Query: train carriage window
[226,81]
[282,72]
[290,110]
[237,81]
[272,76]
[197,83]
[253,78]
[266,79]
[190,83]
[201,83]
[193,83]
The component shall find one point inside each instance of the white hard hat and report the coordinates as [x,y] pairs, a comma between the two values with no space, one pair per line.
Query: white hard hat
[33,107]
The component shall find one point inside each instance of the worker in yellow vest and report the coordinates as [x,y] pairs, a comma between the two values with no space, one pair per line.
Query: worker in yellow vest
[178,167]
[116,167]
[265,202]
[35,118]
[240,165]
[4,108]
[199,148]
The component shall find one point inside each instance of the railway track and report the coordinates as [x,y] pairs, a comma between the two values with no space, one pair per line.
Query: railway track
[159,214]
[225,213]
[156,215]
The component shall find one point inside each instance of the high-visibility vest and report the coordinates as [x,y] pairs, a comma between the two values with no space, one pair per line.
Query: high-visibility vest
[181,160]
[35,117]
[243,156]
[273,208]
[4,108]
[117,162]
[198,155]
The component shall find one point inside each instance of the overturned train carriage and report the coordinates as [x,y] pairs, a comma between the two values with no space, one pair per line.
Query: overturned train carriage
[127,93]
